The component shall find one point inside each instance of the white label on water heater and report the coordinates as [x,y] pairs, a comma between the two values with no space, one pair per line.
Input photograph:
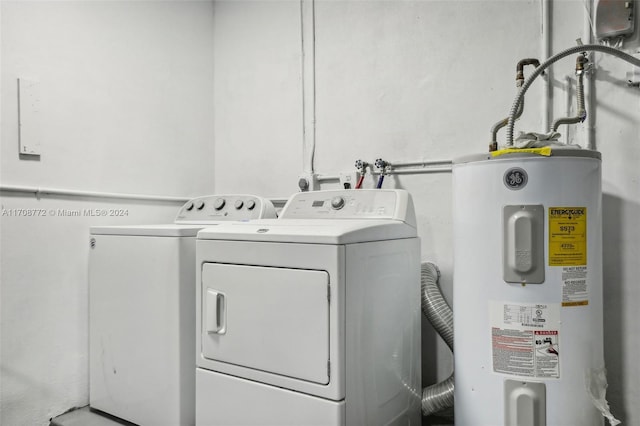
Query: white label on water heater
[525,339]
[575,290]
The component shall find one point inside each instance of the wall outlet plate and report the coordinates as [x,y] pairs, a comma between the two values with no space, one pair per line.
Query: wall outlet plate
[348,180]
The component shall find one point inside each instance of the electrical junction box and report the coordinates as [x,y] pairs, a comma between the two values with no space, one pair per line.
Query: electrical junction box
[29,116]
[613,18]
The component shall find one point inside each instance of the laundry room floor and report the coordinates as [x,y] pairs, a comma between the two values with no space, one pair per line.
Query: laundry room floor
[86,417]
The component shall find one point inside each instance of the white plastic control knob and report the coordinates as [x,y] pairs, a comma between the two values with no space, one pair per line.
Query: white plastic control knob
[337,203]
[251,205]
[219,203]
[200,205]
[238,204]
[189,206]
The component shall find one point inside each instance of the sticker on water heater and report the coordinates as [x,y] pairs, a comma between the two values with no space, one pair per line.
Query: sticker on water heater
[547,353]
[575,290]
[567,236]
[525,339]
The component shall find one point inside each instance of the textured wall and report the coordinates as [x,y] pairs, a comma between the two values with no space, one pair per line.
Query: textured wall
[126,106]
[424,80]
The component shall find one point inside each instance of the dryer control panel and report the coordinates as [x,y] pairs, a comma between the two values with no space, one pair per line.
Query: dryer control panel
[225,207]
[351,204]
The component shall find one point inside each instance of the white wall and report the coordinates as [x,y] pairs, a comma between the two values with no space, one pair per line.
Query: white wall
[131,106]
[413,80]
[126,106]
[257,97]
[618,139]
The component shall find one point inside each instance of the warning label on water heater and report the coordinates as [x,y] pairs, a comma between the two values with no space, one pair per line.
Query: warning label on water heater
[525,339]
[575,290]
[567,236]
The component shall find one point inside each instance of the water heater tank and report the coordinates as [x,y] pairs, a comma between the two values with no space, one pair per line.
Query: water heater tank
[527,288]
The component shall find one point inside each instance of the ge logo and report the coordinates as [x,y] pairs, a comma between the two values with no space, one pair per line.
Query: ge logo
[515,178]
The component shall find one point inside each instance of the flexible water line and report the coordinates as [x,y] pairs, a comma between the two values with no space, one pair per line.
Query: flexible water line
[567,105]
[361,166]
[581,114]
[493,146]
[439,396]
[570,51]
[382,166]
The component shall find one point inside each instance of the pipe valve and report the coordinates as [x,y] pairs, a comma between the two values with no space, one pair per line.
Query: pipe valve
[383,166]
[362,169]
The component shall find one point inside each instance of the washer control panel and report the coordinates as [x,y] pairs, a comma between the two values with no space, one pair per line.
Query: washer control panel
[351,204]
[225,208]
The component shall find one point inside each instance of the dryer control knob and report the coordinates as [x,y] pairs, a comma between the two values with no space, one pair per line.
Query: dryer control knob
[337,203]
[238,204]
[200,205]
[219,204]
[251,205]
[189,206]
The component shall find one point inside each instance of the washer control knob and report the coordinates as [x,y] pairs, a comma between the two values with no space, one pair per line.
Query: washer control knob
[251,205]
[189,206]
[337,203]
[199,205]
[238,204]
[219,203]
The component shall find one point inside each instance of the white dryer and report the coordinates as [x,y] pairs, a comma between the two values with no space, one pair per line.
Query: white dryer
[313,318]
[142,311]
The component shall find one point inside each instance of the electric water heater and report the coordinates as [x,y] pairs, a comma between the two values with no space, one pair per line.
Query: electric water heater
[528,288]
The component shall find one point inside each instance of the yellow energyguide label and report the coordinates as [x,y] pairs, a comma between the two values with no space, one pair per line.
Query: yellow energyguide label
[567,236]
[546,151]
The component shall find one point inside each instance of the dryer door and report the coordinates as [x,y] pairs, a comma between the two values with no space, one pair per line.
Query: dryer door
[268,319]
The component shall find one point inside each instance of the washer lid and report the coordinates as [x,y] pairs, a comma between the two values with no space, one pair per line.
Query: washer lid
[312,231]
[164,230]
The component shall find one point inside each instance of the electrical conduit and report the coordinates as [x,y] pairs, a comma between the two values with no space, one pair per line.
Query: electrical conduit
[570,51]
[493,146]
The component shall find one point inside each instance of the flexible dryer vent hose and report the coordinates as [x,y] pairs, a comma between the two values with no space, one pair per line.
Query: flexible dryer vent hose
[439,396]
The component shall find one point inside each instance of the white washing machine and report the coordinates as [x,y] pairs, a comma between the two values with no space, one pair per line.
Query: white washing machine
[313,318]
[142,311]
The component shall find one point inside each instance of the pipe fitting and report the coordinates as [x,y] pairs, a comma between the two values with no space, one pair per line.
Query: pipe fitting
[381,165]
[581,115]
[550,61]
[493,145]
[581,62]
[361,166]
[520,69]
